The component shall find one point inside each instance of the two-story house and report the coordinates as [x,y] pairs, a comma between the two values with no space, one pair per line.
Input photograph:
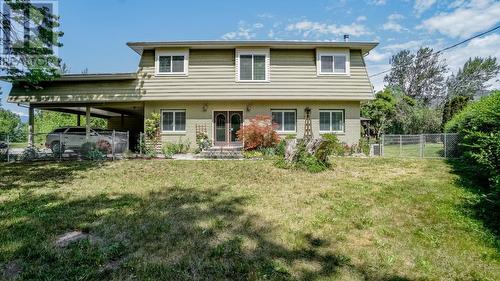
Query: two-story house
[219,85]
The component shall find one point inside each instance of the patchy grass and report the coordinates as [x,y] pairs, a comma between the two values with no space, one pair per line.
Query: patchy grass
[368,219]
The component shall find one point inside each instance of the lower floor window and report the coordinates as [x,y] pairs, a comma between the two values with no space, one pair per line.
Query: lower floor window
[173,120]
[285,120]
[331,121]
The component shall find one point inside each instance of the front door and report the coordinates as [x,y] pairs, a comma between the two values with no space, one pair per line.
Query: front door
[226,124]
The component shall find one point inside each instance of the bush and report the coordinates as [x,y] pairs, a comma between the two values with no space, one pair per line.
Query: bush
[87,147]
[258,133]
[478,129]
[202,141]
[331,146]
[169,149]
[253,154]
[30,153]
[104,146]
[95,155]
[303,160]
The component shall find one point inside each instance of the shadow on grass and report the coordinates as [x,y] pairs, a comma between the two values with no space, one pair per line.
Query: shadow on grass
[40,174]
[486,208]
[179,233]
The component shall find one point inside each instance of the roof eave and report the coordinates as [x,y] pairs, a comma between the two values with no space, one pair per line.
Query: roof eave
[139,47]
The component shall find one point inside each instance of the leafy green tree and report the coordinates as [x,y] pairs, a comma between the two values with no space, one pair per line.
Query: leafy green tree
[419,75]
[30,59]
[11,125]
[471,79]
[46,121]
[381,111]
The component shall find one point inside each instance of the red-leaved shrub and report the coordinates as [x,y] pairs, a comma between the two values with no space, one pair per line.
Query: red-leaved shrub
[258,133]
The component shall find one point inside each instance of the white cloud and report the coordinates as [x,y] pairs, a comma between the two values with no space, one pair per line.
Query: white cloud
[377,81]
[392,23]
[307,28]
[361,18]
[393,26]
[421,6]
[467,19]
[377,2]
[375,56]
[479,47]
[244,31]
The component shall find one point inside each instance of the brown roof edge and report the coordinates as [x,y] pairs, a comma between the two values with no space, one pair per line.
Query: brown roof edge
[364,46]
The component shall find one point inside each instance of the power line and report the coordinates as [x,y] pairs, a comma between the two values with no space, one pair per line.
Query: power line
[447,48]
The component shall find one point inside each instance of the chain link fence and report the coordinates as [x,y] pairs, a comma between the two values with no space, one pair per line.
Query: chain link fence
[75,145]
[443,145]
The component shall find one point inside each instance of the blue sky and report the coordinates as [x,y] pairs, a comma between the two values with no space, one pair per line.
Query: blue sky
[96,31]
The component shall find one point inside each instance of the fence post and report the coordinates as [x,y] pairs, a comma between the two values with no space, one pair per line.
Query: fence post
[421,146]
[400,145]
[60,147]
[382,145]
[444,145]
[113,146]
[127,148]
[8,148]
[140,144]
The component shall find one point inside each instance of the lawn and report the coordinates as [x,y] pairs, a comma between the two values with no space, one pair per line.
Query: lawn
[367,219]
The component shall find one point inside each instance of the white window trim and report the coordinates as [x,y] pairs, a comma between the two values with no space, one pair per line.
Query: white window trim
[159,53]
[174,111]
[264,52]
[283,118]
[346,53]
[331,120]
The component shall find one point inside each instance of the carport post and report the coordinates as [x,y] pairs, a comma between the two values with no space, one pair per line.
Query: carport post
[87,123]
[78,123]
[31,125]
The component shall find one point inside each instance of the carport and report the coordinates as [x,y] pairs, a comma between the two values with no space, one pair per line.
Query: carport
[114,97]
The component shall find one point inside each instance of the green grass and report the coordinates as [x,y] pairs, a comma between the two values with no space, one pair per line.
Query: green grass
[367,219]
[431,150]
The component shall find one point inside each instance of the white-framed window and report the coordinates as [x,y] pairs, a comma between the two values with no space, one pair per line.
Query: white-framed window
[173,120]
[331,121]
[171,62]
[252,65]
[333,63]
[285,120]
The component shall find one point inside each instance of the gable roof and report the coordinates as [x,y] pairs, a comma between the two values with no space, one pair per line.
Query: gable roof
[139,47]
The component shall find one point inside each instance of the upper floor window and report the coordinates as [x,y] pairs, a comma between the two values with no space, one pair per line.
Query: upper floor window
[333,63]
[171,63]
[252,66]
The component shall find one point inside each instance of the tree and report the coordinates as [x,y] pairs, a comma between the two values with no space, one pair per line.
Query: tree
[473,77]
[30,57]
[380,111]
[420,75]
[46,121]
[11,125]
